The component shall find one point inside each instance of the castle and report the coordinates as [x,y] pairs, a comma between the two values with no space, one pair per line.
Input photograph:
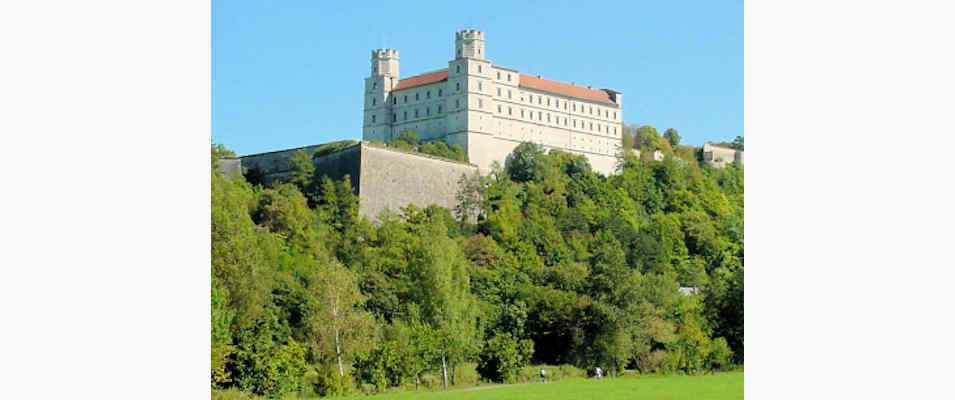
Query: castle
[488,109]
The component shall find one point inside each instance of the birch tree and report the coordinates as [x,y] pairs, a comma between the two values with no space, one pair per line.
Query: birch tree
[342,329]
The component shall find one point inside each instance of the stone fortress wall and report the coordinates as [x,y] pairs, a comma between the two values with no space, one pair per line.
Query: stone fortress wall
[383,178]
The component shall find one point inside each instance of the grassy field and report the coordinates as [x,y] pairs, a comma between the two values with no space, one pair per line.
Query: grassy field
[708,387]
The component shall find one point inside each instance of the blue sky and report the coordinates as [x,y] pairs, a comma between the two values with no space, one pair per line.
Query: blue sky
[290,73]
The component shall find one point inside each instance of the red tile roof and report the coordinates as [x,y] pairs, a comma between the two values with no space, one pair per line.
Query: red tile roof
[528,81]
[566,89]
[423,79]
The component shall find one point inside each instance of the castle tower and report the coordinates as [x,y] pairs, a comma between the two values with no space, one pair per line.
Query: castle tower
[384,77]
[470,86]
[469,43]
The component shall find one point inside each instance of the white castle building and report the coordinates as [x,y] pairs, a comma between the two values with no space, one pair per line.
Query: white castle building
[489,109]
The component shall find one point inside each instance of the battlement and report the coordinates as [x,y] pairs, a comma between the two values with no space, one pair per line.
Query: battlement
[473,34]
[384,53]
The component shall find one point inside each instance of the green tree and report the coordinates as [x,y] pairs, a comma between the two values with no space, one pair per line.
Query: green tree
[738,143]
[302,171]
[342,328]
[503,357]
[672,136]
[526,162]
[443,295]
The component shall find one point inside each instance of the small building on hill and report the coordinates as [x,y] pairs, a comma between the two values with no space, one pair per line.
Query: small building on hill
[718,156]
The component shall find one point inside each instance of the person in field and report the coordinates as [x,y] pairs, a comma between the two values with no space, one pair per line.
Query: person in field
[543,375]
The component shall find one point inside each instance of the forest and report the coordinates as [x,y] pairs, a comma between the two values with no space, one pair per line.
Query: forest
[542,262]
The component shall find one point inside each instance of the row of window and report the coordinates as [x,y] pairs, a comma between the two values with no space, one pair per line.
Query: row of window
[525,114]
[608,129]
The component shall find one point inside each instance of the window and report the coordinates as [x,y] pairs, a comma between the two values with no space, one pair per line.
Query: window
[498,74]
[509,111]
[508,93]
[373,118]
[540,115]
[406,116]
[427,111]
[439,108]
[499,109]
[480,103]
[508,77]
[406,99]
[427,95]
[373,101]
[498,92]
[374,85]
[614,115]
[416,97]
[591,126]
[479,65]
[575,107]
[416,113]
[394,117]
[457,103]
[540,100]
[457,86]
[394,100]
[575,123]
[480,86]
[522,113]
[458,69]
[548,102]
[440,92]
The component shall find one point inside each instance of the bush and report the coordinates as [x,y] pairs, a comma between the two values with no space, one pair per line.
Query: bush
[232,394]
[332,147]
[531,373]
[327,382]
[503,357]
[720,354]
[652,362]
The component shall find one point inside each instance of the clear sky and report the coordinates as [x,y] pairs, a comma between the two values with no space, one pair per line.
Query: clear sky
[291,73]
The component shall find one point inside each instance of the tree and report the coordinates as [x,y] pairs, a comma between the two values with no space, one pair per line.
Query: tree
[342,329]
[443,295]
[470,197]
[672,136]
[526,162]
[302,171]
[737,143]
[503,357]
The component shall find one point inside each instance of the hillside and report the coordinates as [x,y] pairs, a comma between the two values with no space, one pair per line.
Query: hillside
[542,261]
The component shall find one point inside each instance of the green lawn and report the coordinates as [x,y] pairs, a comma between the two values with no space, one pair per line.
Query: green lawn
[716,387]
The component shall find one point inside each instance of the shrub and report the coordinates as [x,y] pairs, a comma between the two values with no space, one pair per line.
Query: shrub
[654,361]
[531,373]
[232,394]
[503,357]
[720,354]
[327,382]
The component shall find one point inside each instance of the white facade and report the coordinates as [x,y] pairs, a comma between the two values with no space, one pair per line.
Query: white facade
[490,109]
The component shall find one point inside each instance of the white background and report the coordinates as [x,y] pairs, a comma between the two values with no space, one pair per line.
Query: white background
[104,197]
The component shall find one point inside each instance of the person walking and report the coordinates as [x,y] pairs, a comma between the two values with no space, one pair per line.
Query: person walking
[543,376]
